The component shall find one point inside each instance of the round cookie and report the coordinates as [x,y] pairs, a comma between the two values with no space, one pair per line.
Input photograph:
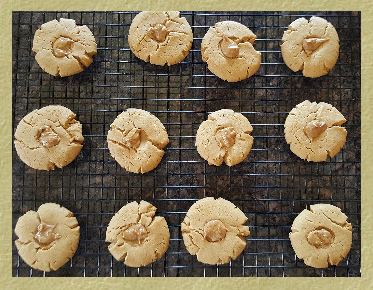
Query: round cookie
[313,131]
[48,238]
[228,51]
[136,235]
[136,139]
[63,48]
[224,136]
[321,235]
[48,137]
[214,231]
[160,37]
[311,46]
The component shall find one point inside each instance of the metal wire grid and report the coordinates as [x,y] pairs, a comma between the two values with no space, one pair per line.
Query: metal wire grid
[271,186]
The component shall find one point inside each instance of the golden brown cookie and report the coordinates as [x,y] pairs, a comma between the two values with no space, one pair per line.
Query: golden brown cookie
[311,46]
[136,235]
[136,139]
[160,37]
[321,235]
[48,238]
[48,137]
[224,136]
[314,131]
[214,231]
[228,51]
[63,48]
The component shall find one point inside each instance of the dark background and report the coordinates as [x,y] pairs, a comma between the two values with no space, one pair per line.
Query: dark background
[271,186]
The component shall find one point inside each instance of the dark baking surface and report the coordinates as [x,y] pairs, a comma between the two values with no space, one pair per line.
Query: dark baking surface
[271,186]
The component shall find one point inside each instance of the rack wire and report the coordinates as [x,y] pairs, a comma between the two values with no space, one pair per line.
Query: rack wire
[271,186]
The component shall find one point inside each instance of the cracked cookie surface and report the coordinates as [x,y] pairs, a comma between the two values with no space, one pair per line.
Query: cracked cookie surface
[136,235]
[311,46]
[160,37]
[224,137]
[63,48]
[228,51]
[321,235]
[136,139]
[48,137]
[214,231]
[47,238]
[314,131]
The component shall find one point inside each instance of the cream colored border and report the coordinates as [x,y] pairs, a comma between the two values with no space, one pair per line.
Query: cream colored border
[6,280]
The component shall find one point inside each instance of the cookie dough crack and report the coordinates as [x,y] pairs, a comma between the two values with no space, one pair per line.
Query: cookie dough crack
[341,225]
[74,226]
[28,147]
[179,32]
[142,142]
[120,144]
[193,243]
[25,243]
[77,57]
[30,122]
[58,122]
[43,248]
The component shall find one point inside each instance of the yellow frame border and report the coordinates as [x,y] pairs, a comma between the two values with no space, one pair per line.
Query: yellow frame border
[9,282]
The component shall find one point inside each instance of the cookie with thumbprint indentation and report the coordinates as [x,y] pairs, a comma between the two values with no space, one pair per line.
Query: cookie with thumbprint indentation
[311,46]
[224,137]
[136,139]
[228,50]
[160,37]
[214,231]
[136,235]
[47,238]
[48,137]
[321,235]
[63,48]
[314,131]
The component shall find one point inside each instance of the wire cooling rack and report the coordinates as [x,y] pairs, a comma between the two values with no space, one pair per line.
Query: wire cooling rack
[272,186]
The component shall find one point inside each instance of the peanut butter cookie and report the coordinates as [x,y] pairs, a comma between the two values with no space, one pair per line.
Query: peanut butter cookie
[136,235]
[311,46]
[321,235]
[224,136]
[214,231]
[63,48]
[48,238]
[48,137]
[160,37]
[136,139]
[228,51]
[314,131]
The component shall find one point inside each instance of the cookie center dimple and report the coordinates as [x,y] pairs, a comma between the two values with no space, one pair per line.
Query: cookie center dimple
[320,238]
[46,234]
[62,46]
[132,139]
[313,43]
[226,137]
[47,137]
[159,32]
[214,231]
[314,128]
[135,233]
[228,47]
